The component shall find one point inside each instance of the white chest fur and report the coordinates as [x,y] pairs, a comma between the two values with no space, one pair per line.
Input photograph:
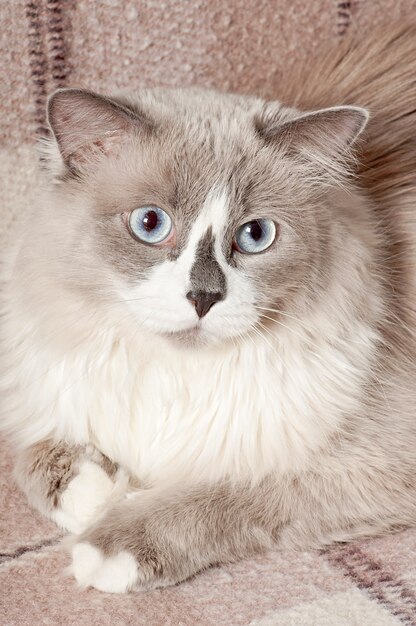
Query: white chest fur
[169,414]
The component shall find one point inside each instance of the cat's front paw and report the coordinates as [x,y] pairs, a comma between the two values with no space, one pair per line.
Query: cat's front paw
[118,573]
[121,553]
[85,497]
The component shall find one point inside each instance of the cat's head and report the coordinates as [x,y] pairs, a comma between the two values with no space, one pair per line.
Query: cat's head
[205,213]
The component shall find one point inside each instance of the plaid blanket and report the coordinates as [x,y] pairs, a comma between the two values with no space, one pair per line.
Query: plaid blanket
[243,45]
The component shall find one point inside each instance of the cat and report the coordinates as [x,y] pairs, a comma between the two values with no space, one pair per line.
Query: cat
[208,344]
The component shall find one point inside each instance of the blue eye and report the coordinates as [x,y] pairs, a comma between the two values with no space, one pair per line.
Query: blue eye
[150,224]
[255,236]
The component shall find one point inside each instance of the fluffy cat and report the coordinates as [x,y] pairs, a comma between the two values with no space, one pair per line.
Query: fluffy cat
[208,343]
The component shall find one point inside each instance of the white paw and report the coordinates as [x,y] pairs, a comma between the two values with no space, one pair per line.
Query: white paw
[84,498]
[114,574]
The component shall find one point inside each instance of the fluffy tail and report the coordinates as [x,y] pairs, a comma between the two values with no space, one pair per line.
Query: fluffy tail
[377,72]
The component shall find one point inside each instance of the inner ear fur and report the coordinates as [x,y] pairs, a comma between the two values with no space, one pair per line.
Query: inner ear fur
[326,133]
[86,124]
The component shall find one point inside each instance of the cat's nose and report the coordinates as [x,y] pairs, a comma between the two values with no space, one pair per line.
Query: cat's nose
[203,300]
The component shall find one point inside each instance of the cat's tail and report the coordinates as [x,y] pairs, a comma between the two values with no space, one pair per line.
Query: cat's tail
[378,72]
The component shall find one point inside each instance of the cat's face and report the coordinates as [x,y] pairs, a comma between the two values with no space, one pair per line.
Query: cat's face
[203,211]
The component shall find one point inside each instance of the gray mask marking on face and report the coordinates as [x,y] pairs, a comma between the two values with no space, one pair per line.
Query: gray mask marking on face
[206,273]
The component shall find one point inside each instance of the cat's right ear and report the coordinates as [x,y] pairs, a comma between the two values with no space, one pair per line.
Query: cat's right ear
[87,126]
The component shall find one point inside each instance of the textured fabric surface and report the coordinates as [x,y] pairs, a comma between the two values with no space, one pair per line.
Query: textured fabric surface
[243,45]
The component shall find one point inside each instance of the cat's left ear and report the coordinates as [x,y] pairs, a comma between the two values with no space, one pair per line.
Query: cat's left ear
[321,135]
[87,125]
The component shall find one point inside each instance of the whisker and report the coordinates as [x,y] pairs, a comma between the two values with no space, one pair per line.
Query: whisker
[302,324]
[278,311]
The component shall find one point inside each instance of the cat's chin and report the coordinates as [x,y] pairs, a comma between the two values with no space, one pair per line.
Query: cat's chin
[194,337]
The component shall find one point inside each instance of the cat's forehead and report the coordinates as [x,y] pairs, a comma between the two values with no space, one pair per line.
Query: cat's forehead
[206,153]
[209,131]
[197,106]
[211,141]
